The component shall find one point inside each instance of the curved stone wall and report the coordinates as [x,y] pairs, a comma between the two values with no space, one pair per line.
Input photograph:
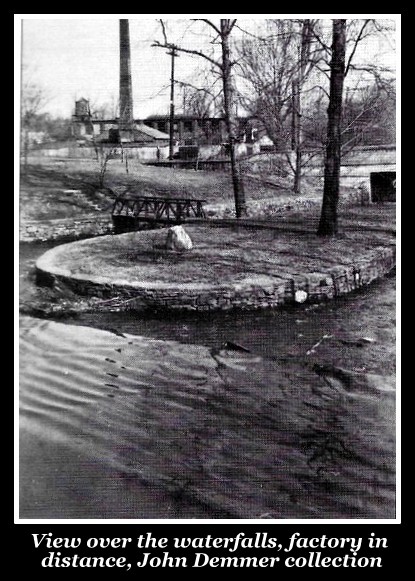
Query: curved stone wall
[249,292]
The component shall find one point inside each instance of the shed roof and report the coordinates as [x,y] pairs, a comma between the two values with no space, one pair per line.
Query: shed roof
[151,132]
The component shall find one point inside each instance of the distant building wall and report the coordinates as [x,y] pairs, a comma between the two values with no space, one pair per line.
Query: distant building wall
[74,151]
[187,130]
[202,131]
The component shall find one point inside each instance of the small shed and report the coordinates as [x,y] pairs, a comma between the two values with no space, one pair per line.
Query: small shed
[383,186]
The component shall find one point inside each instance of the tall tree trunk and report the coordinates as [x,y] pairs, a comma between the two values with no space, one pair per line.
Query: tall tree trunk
[297,86]
[239,195]
[296,135]
[328,220]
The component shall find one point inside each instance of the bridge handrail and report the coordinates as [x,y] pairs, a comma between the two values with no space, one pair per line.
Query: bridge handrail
[158,198]
[157,207]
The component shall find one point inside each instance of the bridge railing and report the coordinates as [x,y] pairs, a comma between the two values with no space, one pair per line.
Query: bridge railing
[131,213]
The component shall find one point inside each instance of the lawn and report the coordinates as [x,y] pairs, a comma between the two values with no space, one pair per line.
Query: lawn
[219,256]
[61,188]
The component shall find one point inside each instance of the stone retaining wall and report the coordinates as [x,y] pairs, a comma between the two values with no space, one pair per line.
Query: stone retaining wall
[249,294]
[65,229]
[272,206]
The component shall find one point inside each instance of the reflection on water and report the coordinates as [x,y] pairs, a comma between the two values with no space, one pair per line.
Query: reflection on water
[115,425]
[240,435]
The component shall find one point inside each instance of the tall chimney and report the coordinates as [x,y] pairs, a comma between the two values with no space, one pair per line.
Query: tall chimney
[126,121]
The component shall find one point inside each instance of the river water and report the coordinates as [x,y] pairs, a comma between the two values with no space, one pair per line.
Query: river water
[278,414]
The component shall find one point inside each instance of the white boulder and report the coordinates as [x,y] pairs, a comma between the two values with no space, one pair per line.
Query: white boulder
[178,239]
[300,296]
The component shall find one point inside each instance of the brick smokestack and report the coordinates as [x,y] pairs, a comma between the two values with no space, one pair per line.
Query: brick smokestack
[126,121]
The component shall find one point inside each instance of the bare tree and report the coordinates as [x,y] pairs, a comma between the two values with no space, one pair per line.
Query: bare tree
[196,101]
[224,66]
[201,102]
[298,81]
[265,84]
[275,65]
[33,100]
[202,97]
[285,76]
[328,219]
[368,115]
[346,35]
[104,154]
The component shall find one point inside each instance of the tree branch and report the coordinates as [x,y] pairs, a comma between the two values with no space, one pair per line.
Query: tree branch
[322,43]
[289,162]
[311,156]
[321,88]
[356,42]
[158,44]
[198,89]
[260,38]
[210,23]
[232,24]
[326,73]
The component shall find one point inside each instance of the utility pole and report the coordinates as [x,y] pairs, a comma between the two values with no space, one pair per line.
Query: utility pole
[173,54]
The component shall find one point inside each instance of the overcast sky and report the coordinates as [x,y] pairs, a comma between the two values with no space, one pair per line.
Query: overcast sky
[73,56]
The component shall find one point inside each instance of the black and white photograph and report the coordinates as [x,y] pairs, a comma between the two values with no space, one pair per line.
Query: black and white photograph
[207,276]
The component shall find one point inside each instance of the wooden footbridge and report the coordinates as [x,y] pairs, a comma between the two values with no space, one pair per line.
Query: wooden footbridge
[144,212]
